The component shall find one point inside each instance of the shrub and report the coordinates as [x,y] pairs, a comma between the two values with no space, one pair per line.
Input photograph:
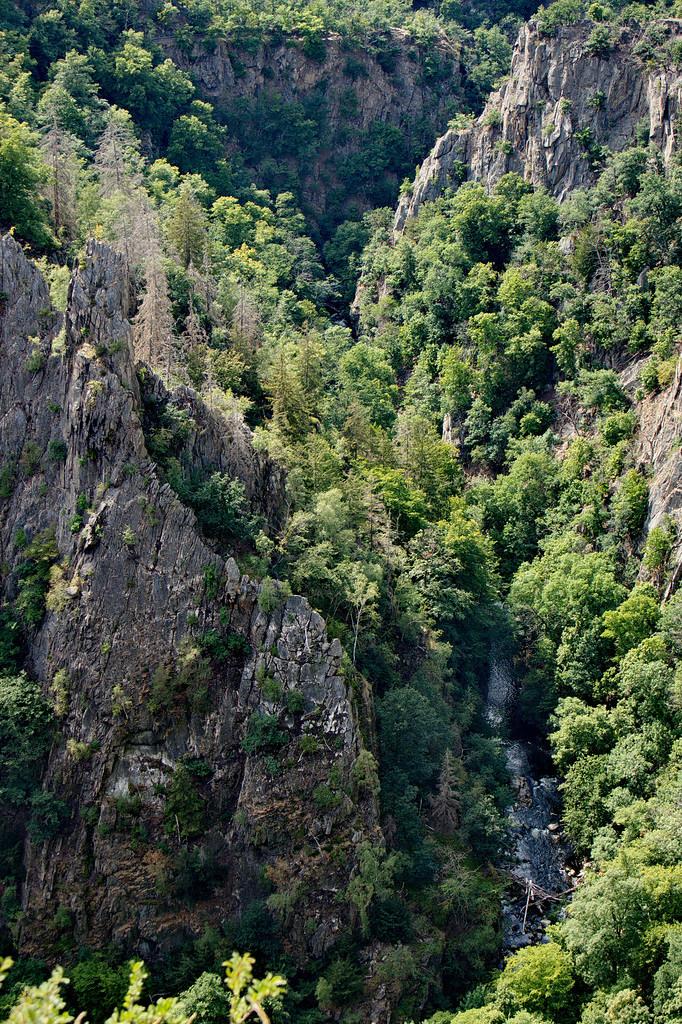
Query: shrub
[197,874]
[48,813]
[60,689]
[36,361]
[30,458]
[492,119]
[79,751]
[324,798]
[221,647]
[618,428]
[185,811]
[272,689]
[599,42]
[98,987]
[268,598]
[294,702]
[262,731]
[57,451]
[10,642]
[341,983]
[308,745]
[365,773]
[630,503]
[57,597]
[34,577]
[390,919]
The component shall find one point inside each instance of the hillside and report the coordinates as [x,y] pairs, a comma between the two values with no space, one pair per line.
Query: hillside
[351,642]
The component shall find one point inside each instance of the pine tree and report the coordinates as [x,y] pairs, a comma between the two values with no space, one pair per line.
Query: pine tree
[445,804]
[245,317]
[59,150]
[187,229]
[153,325]
[117,162]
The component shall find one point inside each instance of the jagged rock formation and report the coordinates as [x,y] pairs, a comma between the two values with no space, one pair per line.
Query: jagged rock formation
[133,591]
[356,86]
[557,103]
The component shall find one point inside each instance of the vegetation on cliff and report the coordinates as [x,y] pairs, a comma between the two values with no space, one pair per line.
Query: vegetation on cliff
[500,316]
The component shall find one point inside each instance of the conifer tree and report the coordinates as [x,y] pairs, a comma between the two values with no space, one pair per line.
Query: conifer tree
[59,150]
[187,229]
[445,804]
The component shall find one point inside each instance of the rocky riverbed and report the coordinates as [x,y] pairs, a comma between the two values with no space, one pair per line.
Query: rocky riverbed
[538,862]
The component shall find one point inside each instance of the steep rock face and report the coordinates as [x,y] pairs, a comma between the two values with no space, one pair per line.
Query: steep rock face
[162,798]
[557,95]
[221,442]
[658,445]
[355,87]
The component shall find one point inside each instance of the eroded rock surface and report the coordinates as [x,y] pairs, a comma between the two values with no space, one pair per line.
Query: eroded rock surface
[134,589]
[557,102]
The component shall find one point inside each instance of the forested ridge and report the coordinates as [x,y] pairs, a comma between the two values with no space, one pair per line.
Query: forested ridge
[459,410]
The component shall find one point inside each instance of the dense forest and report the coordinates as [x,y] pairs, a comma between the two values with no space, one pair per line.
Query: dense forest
[516,530]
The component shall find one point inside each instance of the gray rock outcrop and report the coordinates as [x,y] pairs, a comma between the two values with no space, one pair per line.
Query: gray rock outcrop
[557,103]
[133,590]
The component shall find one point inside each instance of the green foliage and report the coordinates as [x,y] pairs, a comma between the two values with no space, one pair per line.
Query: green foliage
[294,702]
[45,1002]
[268,597]
[263,733]
[22,171]
[219,502]
[222,647]
[26,725]
[57,451]
[324,799]
[341,983]
[629,505]
[97,985]
[538,979]
[34,577]
[48,813]
[185,812]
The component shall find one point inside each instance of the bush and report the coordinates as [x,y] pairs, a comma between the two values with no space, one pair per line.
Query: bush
[185,812]
[340,984]
[197,874]
[262,731]
[268,598]
[390,920]
[207,998]
[97,985]
[48,814]
[221,647]
[308,745]
[10,642]
[34,577]
[294,702]
[36,361]
[630,503]
[272,689]
[257,930]
[599,43]
[325,799]
[365,773]
[57,451]
[219,503]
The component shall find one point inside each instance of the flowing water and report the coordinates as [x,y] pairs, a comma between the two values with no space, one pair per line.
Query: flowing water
[539,851]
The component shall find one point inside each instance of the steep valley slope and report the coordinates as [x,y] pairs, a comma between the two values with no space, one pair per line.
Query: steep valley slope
[144,715]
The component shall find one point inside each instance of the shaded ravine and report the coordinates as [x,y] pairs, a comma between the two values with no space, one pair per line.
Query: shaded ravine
[538,860]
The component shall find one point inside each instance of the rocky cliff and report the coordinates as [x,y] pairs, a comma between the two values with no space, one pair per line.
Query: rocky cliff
[342,95]
[162,800]
[561,101]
